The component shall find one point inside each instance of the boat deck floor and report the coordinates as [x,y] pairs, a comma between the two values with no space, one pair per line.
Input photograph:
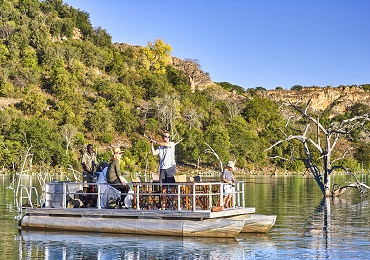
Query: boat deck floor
[132,213]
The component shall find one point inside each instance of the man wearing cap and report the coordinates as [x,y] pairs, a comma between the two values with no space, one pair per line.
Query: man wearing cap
[167,164]
[227,177]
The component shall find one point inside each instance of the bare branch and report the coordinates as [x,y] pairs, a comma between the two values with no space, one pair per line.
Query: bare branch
[287,122]
[306,129]
[279,157]
[179,141]
[310,118]
[282,132]
[343,155]
[307,105]
[210,150]
[318,133]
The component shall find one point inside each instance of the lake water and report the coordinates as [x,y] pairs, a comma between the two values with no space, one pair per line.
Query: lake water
[307,227]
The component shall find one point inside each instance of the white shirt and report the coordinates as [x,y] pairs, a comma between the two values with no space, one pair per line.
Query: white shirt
[166,156]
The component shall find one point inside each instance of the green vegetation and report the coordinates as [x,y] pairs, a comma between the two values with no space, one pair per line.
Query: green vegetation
[230,87]
[365,87]
[71,86]
[297,87]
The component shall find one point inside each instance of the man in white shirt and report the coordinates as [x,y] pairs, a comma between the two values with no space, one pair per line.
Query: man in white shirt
[167,164]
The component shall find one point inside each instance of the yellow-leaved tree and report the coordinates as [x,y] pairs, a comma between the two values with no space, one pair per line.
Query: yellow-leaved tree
[157,55]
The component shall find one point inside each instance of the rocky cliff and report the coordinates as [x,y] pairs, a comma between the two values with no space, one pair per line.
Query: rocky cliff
[322,98]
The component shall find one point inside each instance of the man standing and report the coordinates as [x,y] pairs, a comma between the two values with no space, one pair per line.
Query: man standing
[88,164]
[228,178]
[167,164]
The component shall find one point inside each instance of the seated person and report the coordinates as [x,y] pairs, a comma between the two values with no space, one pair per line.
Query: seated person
[114,175]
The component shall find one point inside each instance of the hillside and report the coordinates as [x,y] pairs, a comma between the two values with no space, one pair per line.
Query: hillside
[63,84]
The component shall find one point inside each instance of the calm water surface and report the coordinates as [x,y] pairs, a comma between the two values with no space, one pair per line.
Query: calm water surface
[307,227]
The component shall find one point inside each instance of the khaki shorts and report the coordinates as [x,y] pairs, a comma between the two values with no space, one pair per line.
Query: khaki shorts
[228,189]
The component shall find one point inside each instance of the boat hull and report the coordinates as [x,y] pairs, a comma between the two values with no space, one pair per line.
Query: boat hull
[220,227]
[226,223]
[256,223]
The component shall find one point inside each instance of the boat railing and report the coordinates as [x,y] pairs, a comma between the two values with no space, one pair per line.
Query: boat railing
[26,193]
[189,196]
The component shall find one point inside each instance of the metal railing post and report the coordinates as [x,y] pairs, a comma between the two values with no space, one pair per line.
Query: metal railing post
[137,197]
[234,196]
[178,197]
[243,194]
[64,204]
[194,203]
[210,196]
[222,195]
[98,202]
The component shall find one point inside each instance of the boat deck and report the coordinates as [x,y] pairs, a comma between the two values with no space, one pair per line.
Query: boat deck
[132,213]
[195,211]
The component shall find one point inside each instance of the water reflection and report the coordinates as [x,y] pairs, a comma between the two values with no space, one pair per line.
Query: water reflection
[333,224]
[60,245]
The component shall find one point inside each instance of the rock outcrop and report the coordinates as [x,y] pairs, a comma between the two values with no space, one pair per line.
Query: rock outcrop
[322,98]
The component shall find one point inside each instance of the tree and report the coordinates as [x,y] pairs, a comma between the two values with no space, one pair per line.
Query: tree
[68,132]
[323,139]
[192,69]
[3,52]
[218,138]
[365,87]
[363,155]
[125,120]
[34,102]
[167,110]
[261,88]
[297,87]
[244,143]
[7,29]
[264,114]
[229,87]
[100,121]
[102,38]
[155,85]
[157,55]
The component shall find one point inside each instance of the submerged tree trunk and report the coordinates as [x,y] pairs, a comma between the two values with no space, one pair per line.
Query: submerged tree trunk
[330,136]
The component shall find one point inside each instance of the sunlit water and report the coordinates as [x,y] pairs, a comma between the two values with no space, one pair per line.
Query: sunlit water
[307,227]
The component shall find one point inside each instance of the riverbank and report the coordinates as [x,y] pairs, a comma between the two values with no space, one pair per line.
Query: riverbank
[183,169]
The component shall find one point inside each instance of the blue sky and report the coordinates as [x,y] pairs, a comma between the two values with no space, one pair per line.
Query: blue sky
[250,43]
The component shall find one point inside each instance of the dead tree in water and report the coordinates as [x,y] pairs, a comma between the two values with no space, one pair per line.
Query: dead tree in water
[314,135]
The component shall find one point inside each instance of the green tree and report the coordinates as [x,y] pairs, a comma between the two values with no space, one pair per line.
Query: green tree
[29,58]
[29,7]
[102,38]
[125,119]
[61,82]
[155,85]
[297,87]
[244,145]
[264,113]
[218,138]
[157,55]
[3,53]
[229,87]
[100,121]
[362,155]
[192,147]
[34,102]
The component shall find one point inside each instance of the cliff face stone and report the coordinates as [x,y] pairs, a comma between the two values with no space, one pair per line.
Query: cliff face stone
[322,98]
[198,79]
